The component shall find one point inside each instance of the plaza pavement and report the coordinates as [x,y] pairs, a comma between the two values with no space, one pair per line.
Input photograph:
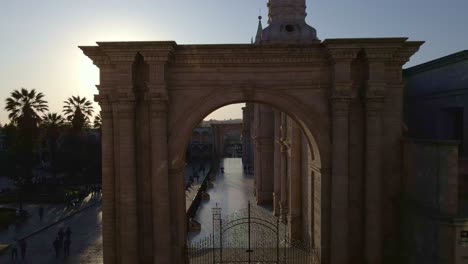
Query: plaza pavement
[232,191]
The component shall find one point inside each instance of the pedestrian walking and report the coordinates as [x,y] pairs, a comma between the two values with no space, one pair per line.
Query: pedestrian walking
[68,233]
[66,247]
[23,245]
[14,251]
[61,234]
[56,246]
[41,212]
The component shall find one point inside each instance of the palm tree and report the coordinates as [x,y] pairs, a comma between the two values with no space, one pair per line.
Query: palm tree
[52,123]
[24,107]
[78,110]
[97,122]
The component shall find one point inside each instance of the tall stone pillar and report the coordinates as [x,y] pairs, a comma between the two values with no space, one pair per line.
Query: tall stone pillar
[341,58]
[160,183]
[129,243]
[108,182]
[284,148]
[373,179]
[277,164]
[295,190]
[157,99]
[178,217]
[340,180]
[264,154]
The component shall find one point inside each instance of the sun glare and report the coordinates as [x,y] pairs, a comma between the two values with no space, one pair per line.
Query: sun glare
[89,73]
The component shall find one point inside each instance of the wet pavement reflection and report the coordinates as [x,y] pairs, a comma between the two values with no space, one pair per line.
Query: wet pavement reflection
[231,191]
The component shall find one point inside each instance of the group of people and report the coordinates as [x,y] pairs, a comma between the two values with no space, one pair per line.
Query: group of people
[195,176]
[21,244]
[62,241]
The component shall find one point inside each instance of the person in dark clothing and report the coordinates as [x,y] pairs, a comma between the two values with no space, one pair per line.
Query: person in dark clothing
[57,246]
[41,212]
[61,234]
[68,233]
[22,245]
[14,251]
[66,247]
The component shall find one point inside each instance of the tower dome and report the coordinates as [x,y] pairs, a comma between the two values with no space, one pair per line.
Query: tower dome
[287,25]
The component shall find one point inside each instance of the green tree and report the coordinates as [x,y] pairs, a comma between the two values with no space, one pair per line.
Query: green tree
[78,111]
[24,107]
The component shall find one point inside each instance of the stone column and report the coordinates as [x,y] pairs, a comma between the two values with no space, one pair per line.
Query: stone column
[160,183]
[325,220]
[129,243]
[374,98]
[162,203]
[277,165]
[373,180]
[342,58]
[295,190]
[264,154]
[108,181]
[339,180]
[284,170]
[177,211]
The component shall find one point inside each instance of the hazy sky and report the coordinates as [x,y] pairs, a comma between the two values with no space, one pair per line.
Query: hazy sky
[39,39]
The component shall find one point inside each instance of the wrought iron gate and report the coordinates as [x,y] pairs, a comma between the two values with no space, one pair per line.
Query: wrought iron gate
[251,235]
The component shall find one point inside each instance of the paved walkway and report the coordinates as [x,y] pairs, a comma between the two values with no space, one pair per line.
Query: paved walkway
[194,169]
[232,191]
[52,214]
[86,241]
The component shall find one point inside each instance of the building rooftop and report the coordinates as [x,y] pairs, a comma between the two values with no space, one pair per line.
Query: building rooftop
[437,63]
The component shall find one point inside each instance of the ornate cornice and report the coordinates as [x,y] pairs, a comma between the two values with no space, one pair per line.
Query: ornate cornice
[342,54]
[98,57]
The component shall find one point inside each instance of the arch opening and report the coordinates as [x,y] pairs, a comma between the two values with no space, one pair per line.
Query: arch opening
[283,125]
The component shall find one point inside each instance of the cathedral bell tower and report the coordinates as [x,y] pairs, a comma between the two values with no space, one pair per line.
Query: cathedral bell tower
[287,25]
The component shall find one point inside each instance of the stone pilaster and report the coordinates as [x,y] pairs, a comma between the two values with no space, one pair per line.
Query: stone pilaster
[177,211]
[156,98]
[374,104]
[108,181]
[160,182]
[264,155]
[277,165]
[325,221]
[284,148]
[129,243]
[342,58]
[340,179]
[373,180]
[264,152]
[295,183]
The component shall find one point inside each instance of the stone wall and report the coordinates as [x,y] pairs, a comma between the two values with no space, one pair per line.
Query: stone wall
[429,206]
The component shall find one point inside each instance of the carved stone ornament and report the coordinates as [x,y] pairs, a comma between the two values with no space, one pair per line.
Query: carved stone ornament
[343,54]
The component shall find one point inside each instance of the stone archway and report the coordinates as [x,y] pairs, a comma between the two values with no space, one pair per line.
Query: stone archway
[344,94]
